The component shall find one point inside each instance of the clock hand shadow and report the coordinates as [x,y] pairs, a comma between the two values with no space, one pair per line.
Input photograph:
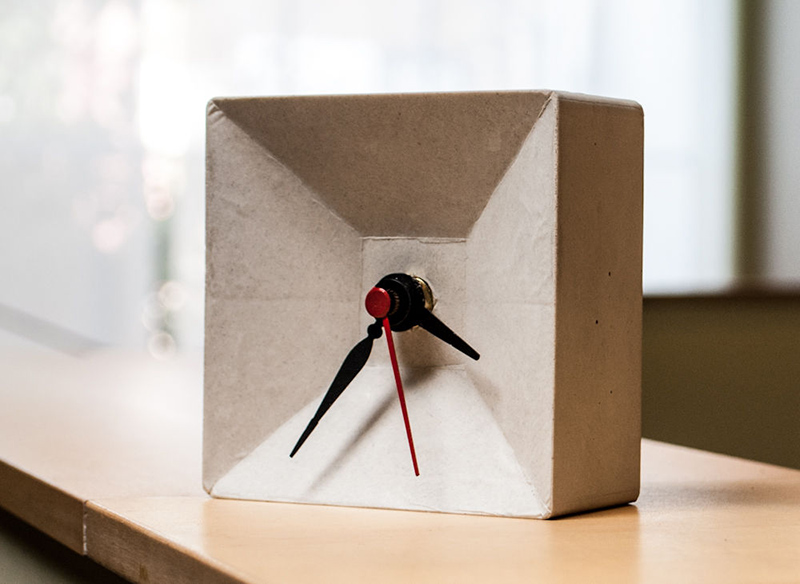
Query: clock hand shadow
[412,381]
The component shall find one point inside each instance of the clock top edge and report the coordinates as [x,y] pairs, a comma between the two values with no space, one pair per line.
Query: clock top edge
[221,100]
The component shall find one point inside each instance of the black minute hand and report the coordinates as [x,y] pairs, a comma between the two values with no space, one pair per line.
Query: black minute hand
[352,364]
[437,328]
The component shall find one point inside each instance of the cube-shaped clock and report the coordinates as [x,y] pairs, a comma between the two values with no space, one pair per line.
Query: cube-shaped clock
[509,222]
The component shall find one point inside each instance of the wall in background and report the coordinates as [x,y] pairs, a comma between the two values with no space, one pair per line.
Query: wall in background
[780,179]
[768,234]
[723,374]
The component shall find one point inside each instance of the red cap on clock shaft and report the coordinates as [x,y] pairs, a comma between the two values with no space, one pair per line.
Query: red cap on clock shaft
[378,302]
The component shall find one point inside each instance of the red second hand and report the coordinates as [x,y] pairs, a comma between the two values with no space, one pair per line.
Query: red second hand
[378,304]
[400,392]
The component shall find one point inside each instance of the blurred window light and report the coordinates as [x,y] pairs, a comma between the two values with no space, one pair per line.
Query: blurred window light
[102,109]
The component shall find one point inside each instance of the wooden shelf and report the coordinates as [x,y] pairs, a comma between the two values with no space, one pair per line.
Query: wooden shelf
[104,425]
[103,454]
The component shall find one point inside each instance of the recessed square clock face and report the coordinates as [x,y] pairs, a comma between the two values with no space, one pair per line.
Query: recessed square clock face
[424,301]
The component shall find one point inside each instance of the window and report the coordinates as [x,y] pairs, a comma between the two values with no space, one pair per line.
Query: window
[102,126]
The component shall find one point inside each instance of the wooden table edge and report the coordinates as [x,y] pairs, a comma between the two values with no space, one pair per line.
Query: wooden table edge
[43,505]
[142,555]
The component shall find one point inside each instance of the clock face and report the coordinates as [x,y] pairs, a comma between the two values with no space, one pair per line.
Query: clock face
[502,224]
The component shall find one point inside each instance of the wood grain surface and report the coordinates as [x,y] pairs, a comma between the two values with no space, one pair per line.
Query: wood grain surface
[701,518]
[103,424]
[109,446]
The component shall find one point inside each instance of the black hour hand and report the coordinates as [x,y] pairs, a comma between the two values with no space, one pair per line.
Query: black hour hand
[438,329]
[351,366]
